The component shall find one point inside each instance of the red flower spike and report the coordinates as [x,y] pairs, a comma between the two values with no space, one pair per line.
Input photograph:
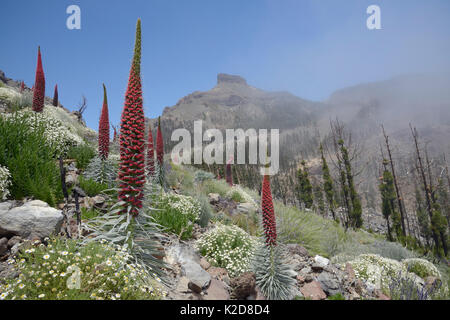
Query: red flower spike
[55,96]
[39,86]
[268,215]
[103,129]
[131,138]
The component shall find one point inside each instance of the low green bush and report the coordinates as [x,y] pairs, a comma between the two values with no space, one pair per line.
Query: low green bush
[82,154]
[90,187]
[176,213]
[30,158]
[66,270]
[216,186]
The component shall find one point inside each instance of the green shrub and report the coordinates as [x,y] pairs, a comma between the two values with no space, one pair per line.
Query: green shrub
[206,212]
[215,186]
[421,267]
[25,151]
[177,213]
[337,296]
[67,270]
[89,213]
[248,222]
[235,196]
[238,194]
[90,187]
[201,176]
[82,154]
[227,247]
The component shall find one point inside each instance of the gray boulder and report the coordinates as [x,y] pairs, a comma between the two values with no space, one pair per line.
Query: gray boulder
[329,283]
[33,219]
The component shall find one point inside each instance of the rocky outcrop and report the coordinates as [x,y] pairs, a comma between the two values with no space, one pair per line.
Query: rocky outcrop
[33,219]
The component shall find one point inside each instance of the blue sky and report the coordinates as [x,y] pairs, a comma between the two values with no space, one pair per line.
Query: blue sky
[307,47]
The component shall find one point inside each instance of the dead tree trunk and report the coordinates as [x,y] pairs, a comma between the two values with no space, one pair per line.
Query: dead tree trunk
[426,187]
[397,189]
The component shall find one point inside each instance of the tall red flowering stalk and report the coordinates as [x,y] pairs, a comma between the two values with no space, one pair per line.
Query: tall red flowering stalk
[39,86]
[115,134]
[22,86]
[150,153]
[55,96]
[132,136]
[103,129]
[268,215]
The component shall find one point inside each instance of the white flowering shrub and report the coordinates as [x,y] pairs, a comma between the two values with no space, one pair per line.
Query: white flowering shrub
[5,182]
[72,125]
[228,247]
[176,213]
[57,135]
[421,267]
[66,270]
[379,271]
[237,193]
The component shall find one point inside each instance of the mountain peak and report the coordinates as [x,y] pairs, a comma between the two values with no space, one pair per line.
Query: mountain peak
[229,78]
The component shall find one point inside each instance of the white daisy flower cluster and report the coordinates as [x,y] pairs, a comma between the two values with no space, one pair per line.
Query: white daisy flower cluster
[379,271]
[421,267]
[56,133]
[5,182]
[228,247]
[185,205]
[65,270]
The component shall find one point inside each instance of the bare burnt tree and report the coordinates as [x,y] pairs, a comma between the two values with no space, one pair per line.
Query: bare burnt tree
[401,207]
[427,188]
[81,108]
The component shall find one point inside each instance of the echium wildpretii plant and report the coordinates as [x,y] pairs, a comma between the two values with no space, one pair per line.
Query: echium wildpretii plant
[55,96]
[159,167]
[39,86]
[128,222]
[132,136]
[273,274]
[103,129]
[228,173]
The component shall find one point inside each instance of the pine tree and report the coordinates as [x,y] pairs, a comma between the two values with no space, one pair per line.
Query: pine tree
[328,184]
[55,96]
[355,214]
[132,136]
[39,86]
[103,129]
[387,197]
[305,190]
[150,153]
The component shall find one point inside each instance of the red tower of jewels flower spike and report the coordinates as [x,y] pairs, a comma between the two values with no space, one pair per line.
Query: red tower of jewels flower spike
[103,129]
[150,153]
[22,87]
[39,86]
[268,215]
[132,136]
[55,96]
